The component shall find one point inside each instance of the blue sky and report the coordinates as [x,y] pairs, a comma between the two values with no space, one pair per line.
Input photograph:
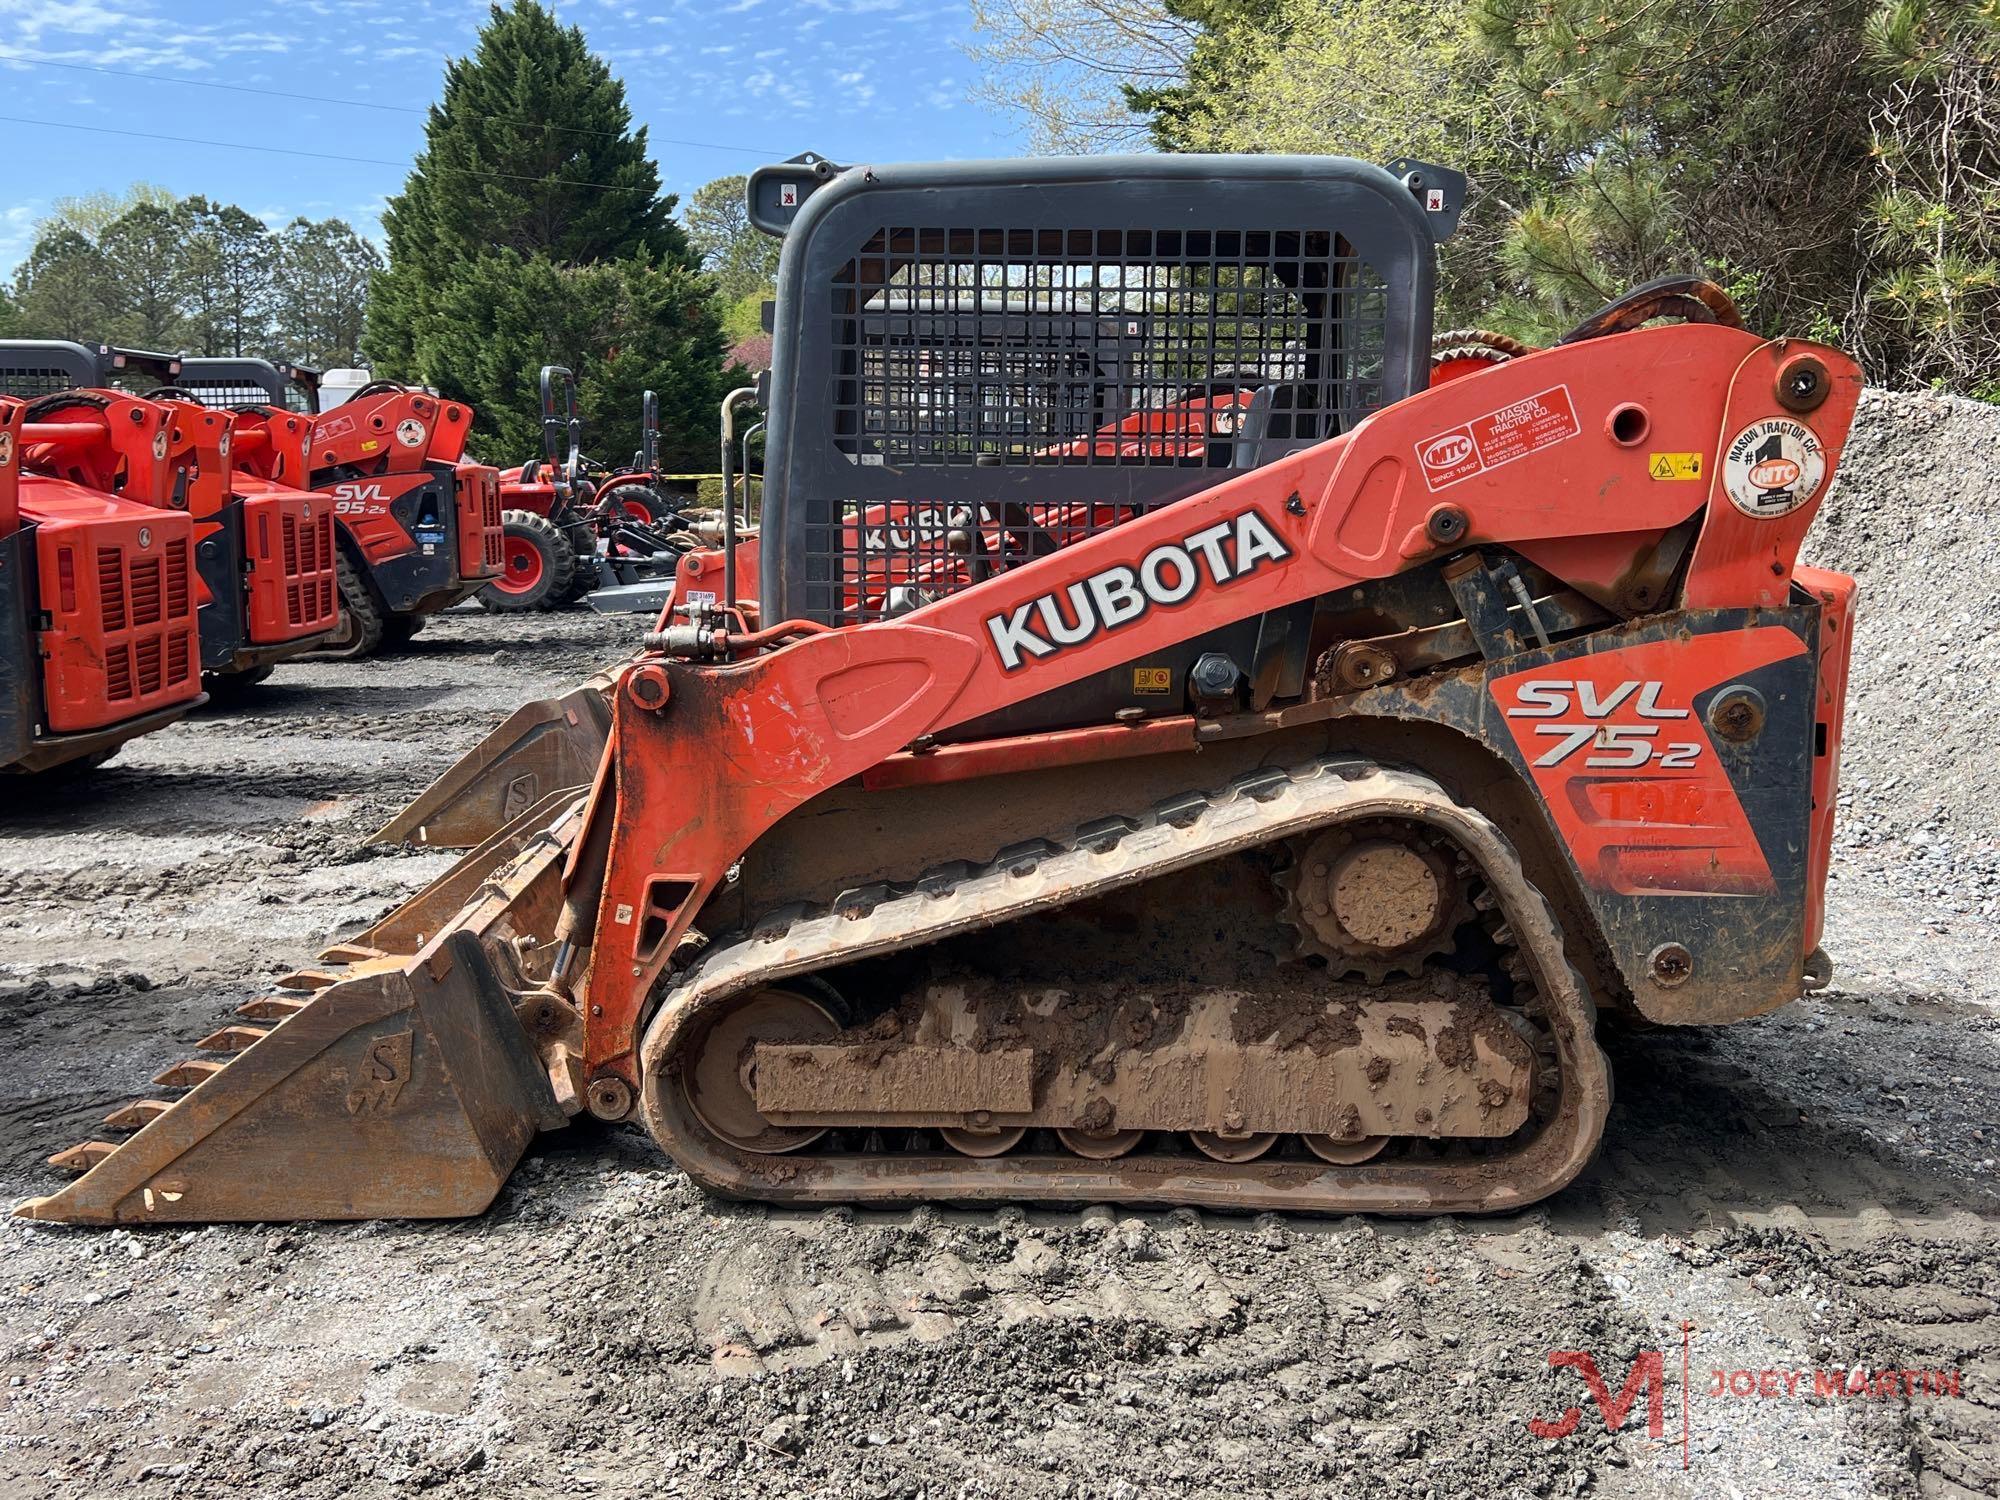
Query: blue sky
[853,79]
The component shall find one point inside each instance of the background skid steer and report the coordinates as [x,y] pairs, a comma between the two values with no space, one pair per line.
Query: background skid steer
[418,523]
[98,639]
[1270,840]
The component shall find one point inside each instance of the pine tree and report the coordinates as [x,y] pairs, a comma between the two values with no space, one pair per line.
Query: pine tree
[321,290]
[63,289]
[532,230]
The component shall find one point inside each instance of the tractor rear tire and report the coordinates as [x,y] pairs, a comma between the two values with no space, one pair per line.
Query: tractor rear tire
[538,561]
[638,502]
[583,579]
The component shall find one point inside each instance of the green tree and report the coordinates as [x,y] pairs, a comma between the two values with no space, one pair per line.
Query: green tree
[740,256]
[1932,312]
[1378,81]
[1729,138]
[10,316]
[64,290]
[624,326]
[320,291]
[88,214]
[534,184]
[141,250]
[226,268]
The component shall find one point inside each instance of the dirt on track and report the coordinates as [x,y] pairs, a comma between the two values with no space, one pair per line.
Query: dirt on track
[1814,1191]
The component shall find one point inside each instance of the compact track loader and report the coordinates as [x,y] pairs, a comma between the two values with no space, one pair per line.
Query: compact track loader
[418,523]
[1260,822]
[261,597]
[98,634]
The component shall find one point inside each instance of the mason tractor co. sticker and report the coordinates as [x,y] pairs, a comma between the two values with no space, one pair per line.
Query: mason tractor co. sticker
[1773,467]
[1501,436]
[1114,597]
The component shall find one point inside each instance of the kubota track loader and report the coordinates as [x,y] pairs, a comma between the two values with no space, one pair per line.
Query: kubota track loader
[259,600]
[98,640]
[1260,828]
[418,523]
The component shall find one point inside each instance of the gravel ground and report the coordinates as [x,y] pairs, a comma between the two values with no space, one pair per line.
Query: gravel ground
[1814,1190]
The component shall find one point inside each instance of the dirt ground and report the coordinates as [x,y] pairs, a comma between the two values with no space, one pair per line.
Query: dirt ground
[1815,1191]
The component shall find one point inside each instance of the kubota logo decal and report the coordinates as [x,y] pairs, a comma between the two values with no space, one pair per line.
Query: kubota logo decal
[1115,597]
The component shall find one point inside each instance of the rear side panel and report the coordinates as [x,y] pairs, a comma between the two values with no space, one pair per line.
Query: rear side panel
[116,582]
[219,562]
[1674,761]
[404,526]
[293,589]
[1836,593]
[479,531]
[20,686]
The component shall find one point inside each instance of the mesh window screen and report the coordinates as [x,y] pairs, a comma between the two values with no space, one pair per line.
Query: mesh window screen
[230,395]
[1067,349]
[30,380]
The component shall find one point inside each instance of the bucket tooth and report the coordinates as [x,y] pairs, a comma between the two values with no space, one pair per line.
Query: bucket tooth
[270,1008]
[82,1158]
[350,953]
[233,1038]
[137,1115]
[309,979]
[185,1075]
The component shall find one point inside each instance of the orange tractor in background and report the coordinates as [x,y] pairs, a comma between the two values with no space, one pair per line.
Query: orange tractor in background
[1251,824]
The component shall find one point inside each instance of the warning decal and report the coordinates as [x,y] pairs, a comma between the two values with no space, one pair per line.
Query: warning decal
[1674,465]
[1152,679]
[1499,437]
[1773,467]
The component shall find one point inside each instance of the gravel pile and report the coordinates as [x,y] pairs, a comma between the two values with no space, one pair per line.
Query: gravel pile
[1909,517]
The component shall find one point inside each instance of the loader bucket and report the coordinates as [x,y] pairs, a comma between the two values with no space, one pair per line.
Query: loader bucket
[398,1094]
[397,1083]
[543,747]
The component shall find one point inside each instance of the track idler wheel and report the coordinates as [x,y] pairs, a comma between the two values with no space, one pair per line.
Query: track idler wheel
[1342,1153]
[991,1140]
[1226,1146]
[722,1085]
[1101,1145]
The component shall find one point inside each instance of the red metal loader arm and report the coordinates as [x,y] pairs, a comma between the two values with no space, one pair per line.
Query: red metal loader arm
[1563,444]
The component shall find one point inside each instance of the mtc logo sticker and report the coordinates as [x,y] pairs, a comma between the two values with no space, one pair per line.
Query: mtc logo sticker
[1773,467]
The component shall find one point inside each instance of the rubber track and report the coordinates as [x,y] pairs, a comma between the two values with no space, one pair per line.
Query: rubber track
[1176,834]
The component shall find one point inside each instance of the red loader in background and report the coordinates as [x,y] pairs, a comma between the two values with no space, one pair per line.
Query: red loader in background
[98,635]
[418,523]
[72,383]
